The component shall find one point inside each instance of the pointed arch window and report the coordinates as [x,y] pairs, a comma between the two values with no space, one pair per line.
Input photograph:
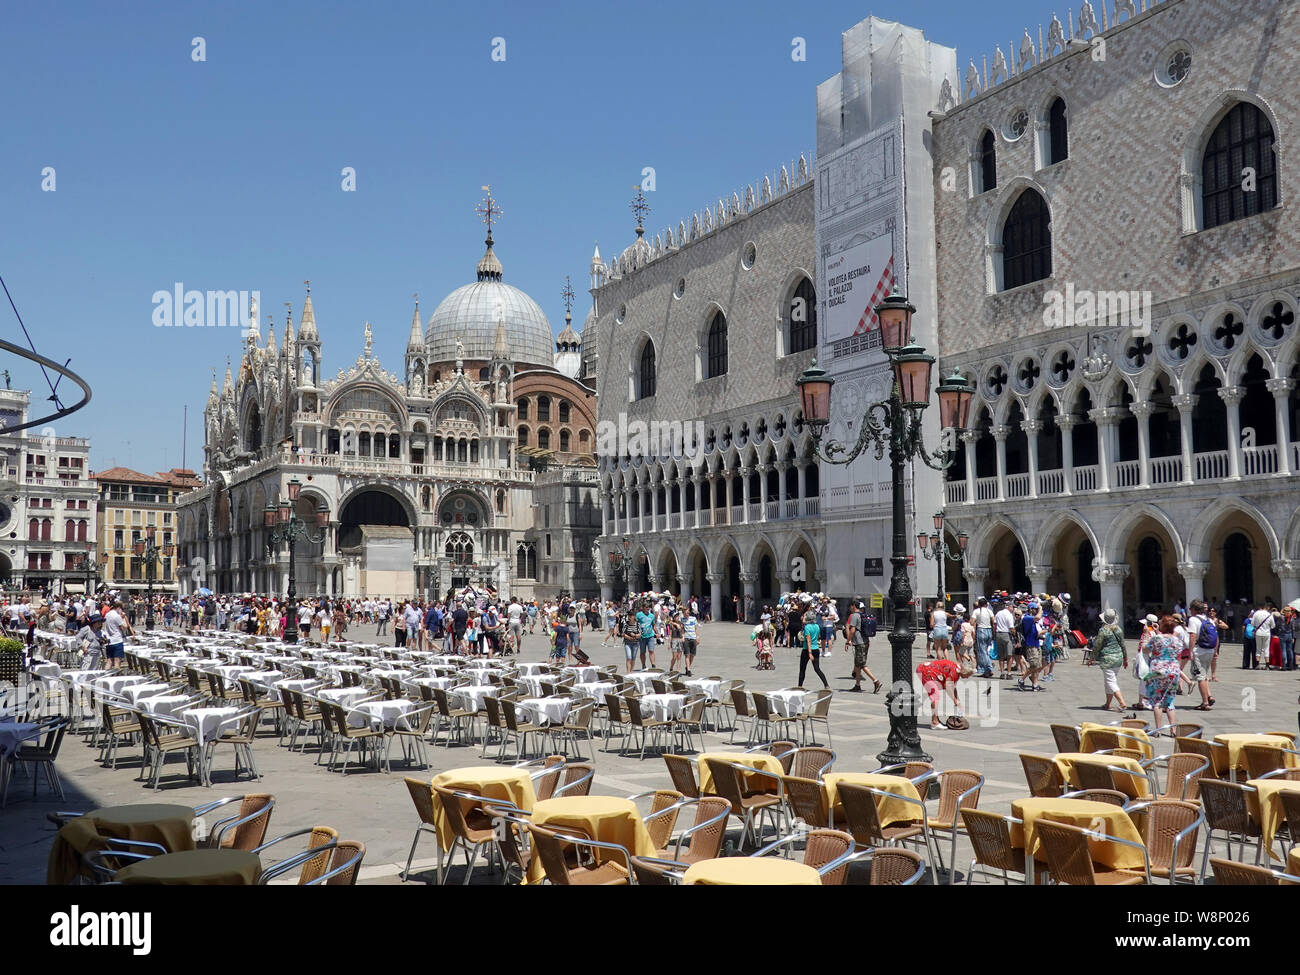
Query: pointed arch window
[543,407]
[717,341]
[1242,140]
[646,372]
[988,160]
[1058,133]
[1026,242]
[802,321]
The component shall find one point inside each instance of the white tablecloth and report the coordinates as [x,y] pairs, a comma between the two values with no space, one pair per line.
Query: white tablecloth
[585,674]
[265,678]
[346,696]
[596,690]
[138,691]
[13,734]
[233,672]
[662,707]
[787,703]
[46,670]
[534,669]
[470,697]
[208,723]
[116,682]
[165,704]
[400,674]
[543,710]
[298,683]
[446,660]
[378,713]
[642,679]
[709,688]
[478,663]
[532,684]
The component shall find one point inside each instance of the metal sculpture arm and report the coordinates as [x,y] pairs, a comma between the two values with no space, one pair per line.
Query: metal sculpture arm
[873,431]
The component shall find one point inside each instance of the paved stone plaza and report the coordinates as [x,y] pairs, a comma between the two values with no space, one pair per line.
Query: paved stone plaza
[376,809]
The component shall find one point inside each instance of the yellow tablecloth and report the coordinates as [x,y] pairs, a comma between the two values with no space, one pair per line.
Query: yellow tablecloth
[1101,817]
[220,868]
[1236,757]
[153,822]
[1265,806]
[491,781]
[890,811]
[1128,738]
[757,783]
[608,819]
[1135,786]
[1293,861]
[752,872]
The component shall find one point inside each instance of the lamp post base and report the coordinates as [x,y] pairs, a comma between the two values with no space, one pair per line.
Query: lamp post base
[904,743]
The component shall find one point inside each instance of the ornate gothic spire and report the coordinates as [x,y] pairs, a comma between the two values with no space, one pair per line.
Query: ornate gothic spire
[307,320]
[489,267]
[416,342]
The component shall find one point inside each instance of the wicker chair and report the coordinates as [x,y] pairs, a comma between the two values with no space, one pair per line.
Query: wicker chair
[1206,750]
[1112,796]
[818,709]
[1289,735]
[43,754]
[682,770]
[548,777]
[863,820]
[1227,812]
[314,861]
[807,800]
[749,809]
[246,829]
[990,838]
[241,738]
[159,744]
[410,729]
[1170,834]
[810,763]
[741,711]
[891,867]
[472,829]
[1066,737]
[575,779]
[614,715]
[1183,771]
[1186,729]
[516,729]
[1094,776]
[118,724]
[549,846]
[1229,873]
[345,733]
[494,722]
[958,789]
[344,867]
[578,721]
[1065,848]
[421,791]
[828,851]
[662,817]
[1262,759]
[691,720]
[269,703]
[1043,776]
[648,727]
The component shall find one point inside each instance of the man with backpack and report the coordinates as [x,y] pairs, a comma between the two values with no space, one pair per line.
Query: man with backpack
[1204,636]
[857,634]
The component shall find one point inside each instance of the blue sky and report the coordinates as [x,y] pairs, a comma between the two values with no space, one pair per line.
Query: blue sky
[226,174]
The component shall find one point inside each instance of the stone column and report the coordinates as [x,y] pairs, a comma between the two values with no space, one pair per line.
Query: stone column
[1193,574]
[1281,390]
[1288,571]
[782,584]
[1143,413]
[715,594]
[1000,435]
[606,593]
[1031,428]
[1038,577]
[1065,423]
[762,471]
[684,580]
[654,506]
[1112,579]
[710,478]
[1232,397]
[803,482]
[1101,416]
[969,438]
[749,580]
[781,466]
[976,578]
[1186,402]
[744,493]
[604,519]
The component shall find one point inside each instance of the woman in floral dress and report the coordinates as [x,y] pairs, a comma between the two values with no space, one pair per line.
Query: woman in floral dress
[1161,682]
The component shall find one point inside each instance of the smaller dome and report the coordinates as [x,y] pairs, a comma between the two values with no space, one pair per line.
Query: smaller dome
[637,253]
[569,363]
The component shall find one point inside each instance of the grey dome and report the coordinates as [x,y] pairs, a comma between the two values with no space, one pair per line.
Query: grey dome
[470,314]
[589,344]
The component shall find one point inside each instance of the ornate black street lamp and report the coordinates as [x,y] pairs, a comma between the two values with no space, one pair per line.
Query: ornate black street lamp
[147,552]
[283,525]
[935,546]
[894,425]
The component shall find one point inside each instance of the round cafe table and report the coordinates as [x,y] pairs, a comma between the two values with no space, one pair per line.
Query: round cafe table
[1236,745]
[1101,817]
[1128,738]
[753,783]
[491,781]
[194,868]
[751,872]
[1135,786]
[608,819]
[1265,807]
[890,811]
[168,825]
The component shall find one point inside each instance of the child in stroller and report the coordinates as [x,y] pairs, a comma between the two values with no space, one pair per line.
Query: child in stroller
[762,637]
